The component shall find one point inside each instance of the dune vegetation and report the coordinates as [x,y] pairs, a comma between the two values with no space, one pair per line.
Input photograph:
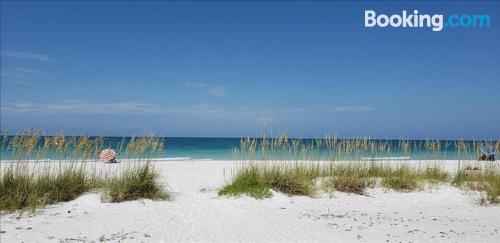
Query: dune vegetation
[303,178]
[333,148]
[135,182]
[486,181]
[27,184]
[291,166]
[347,165]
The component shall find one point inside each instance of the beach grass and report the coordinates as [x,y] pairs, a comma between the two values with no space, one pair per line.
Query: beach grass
[292,179]
[27,184]
[299,178]
[20,188]
[347,183]
[135,182]
[247,181]
[257,181]
[333,148]
[402,179]
[300,174]
[486,181]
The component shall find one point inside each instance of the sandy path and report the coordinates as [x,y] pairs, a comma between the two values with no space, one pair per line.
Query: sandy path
[443,214]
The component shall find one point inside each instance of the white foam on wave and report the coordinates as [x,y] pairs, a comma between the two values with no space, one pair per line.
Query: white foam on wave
[386,158]
[170,159]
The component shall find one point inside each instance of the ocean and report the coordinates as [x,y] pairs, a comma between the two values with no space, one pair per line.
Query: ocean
[185,148]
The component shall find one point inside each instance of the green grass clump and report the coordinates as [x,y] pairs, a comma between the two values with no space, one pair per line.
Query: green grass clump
[350,178]
[486,181]
[247,181]
[434,174]
[348,183]
[256,181]
[357,177]
[295,179]
[299,178]
[463,177]
[25,183]
[402,178]
[136,182]
[405,178]
[492,189]
[290,183]
[21,189]
[400,183]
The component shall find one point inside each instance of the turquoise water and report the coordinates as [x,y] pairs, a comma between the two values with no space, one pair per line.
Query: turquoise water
[182,148]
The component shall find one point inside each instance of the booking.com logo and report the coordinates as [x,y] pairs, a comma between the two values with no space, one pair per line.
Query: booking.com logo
[436,22]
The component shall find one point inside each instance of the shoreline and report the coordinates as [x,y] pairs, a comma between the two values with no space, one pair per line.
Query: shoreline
[450,166]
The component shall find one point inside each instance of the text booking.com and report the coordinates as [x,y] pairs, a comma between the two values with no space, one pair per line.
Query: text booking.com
[437,22]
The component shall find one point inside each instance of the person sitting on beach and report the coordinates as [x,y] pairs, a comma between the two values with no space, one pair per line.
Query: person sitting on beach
[487,153]
[113,160]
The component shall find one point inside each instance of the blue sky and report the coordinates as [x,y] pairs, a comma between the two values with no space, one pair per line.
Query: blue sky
[230,69]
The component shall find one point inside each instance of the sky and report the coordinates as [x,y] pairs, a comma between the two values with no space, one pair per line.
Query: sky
[232,69]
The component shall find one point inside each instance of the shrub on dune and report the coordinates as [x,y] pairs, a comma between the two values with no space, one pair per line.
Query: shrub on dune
[299,178]
[435,174]
[486,181]
[400,183]
[291,184]
[20,189]
[25,183]
[136,182]
[293,179]
[347,183]
[256,181]
[402,178]
[247,181]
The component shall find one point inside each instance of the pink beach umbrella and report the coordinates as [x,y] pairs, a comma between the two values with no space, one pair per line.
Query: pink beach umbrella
[108,155]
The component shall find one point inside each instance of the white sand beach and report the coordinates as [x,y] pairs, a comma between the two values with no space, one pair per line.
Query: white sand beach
[197,214]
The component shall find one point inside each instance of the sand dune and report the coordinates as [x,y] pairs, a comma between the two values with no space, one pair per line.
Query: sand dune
[196,213]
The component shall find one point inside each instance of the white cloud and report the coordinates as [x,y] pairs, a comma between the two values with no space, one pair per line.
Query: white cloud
[17,72]
[18,82]
[260,117]
[216,90]
[17,76]
[25,70]
[81,107]
[122,107]
[25,55]
[204,109]
[353,109]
